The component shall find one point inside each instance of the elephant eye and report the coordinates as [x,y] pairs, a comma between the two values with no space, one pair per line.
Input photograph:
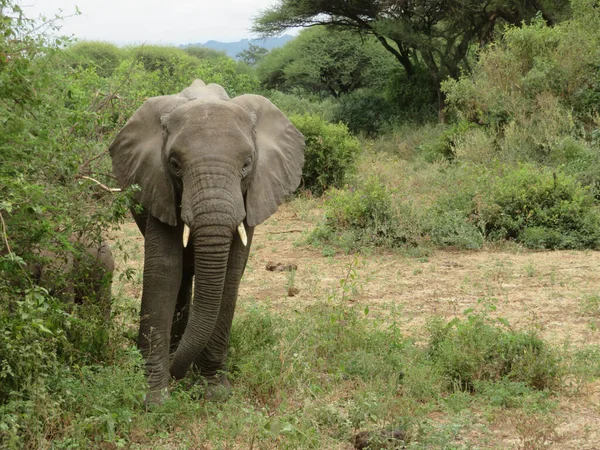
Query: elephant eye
[247,165]
[175,165]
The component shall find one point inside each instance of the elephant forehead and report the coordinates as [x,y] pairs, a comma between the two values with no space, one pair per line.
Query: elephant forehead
[211,126]
[209,114]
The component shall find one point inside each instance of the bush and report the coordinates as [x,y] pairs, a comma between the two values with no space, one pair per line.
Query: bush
[414,98]
[103,57]
[330,153]
[366,213]
[372,110]
[292,104]
[162,58]
[452,228]
[444,145]
[155,70]
[364,110]
[538,85]
[540,208]
[204,52]
[474,350]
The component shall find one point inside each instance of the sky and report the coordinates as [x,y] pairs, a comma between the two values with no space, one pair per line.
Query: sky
[153,21]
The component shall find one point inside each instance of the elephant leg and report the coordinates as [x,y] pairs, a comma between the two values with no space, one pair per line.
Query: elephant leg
[182,309]
[161,284]
[214,356]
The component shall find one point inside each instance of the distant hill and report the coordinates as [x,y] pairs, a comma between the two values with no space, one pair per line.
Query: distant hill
[233,48]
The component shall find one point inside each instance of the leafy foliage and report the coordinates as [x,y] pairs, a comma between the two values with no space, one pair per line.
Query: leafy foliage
[329,155]
[324,61]
[253,55]
[102,56]
[541,209]
[475,350]
[358,216]
[296,104]
[365,110]
[371,92]
[438,33]
[536,87]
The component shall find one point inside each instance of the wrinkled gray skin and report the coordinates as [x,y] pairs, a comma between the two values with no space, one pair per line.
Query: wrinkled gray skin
[210,162]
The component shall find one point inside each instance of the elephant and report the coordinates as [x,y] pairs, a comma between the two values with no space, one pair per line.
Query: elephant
[209,169]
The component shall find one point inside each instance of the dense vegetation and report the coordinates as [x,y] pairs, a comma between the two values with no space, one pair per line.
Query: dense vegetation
[517,161]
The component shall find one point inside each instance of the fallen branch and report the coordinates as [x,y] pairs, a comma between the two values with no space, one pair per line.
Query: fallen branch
[286,231]
[10,252]
[106,188]
[5,236]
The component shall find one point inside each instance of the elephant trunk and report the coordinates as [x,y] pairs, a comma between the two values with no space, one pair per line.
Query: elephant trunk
[213,211]
[211,253]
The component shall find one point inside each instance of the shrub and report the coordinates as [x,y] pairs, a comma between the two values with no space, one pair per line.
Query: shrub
[55,122]
[204,52]
[538,85]
[476,349]
[414,98]
[330,153]
[154,70]
[161,58]
[296,104]
[444,145]
[452,228]
[540,208]
[366,214]
[401,99]
[364,110]
[103,57]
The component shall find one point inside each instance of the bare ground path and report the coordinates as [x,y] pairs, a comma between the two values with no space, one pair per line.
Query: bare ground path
[545,290]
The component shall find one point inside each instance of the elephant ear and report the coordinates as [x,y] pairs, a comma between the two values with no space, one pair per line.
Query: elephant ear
[136,156]
[279,158]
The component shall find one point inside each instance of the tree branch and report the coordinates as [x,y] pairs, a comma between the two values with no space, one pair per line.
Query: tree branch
[5,236]
[106,188]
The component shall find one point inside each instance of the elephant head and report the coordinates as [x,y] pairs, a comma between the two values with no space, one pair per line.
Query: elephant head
[208,164]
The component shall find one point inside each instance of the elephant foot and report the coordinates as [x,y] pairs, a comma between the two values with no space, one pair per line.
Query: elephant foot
[218,388]
[156,397]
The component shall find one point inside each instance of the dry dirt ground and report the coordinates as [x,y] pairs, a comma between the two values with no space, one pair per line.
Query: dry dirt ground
[544,290]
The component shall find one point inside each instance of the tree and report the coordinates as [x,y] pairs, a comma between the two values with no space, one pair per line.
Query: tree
[204,53]
[253,55]
[437,32]
[320,60]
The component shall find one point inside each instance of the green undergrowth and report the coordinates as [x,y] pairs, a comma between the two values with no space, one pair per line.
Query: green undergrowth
[408,203]
[312,379]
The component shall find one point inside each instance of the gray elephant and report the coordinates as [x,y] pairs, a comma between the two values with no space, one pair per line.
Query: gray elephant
[210,169]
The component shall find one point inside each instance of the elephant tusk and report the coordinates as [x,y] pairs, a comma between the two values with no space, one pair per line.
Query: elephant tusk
[242,232]
[186,235]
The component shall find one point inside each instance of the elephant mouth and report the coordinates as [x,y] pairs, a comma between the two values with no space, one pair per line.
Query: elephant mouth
[240,229]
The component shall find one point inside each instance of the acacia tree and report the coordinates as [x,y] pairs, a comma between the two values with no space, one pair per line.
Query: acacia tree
[253,55]
[320,60]
[438,33]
